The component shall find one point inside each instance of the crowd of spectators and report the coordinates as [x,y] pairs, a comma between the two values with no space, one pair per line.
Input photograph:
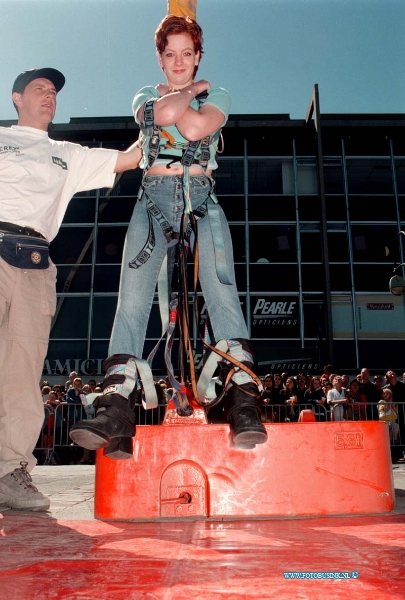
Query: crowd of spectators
[63,406]
[331,397]
[335,397]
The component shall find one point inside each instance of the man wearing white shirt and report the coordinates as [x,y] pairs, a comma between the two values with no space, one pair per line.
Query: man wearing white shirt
[337,398]
[38,177]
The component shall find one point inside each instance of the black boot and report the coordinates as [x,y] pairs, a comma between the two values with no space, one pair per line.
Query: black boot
[242,402]
[114,425]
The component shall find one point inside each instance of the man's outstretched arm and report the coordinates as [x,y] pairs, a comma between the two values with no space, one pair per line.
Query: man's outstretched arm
[128,159]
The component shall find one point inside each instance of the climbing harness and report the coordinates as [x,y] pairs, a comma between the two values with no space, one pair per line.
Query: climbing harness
[176,310]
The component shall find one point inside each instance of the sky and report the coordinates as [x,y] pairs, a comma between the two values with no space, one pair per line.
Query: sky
[267,53]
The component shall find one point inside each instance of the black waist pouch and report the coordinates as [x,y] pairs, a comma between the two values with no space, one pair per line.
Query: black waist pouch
[24,252]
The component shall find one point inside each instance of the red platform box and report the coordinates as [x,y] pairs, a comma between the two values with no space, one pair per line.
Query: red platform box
[194,471]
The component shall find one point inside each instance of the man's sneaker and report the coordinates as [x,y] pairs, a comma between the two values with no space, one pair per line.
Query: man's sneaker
[17,491]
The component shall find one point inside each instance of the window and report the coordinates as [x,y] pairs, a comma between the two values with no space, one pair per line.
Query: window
[271,208]
[307,176]
[374,243]
[309,208]
[311,247]
[372,278]
[400,175]
[229,177]
[103,316]
[313,278]
[369,176]
[81,209]
[340,278]
[107,278]
[314,319]
[338,247]
[372,208]
[74,279]
[273,278]
[238,242]
[110,244]
[70,243]
[335,208]
[72,321]
[127,184]
[333,175]
[233,207]
[272,243]
[116,209]
[265,176]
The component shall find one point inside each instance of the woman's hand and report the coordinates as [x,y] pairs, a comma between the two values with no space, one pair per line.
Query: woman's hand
[201,86]
[162,88]
[195,88]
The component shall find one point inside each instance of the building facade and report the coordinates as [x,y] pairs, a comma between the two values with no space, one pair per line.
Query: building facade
[313,257]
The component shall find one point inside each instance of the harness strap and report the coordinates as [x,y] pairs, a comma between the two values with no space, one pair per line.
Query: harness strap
[207,372]
[184,323]
[219,349]
[179,390]
[188,154]
[163,295]
[168,316]
[149,398]
[148,113]
[149,121]
[198,213]
[162,220]
[134,370]
[171,236]
[144,255]
[168,327]
[219,244]
[237,365]
[205,151]
[188,157]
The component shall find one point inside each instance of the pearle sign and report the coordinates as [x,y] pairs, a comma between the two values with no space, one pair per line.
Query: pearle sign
[275,316]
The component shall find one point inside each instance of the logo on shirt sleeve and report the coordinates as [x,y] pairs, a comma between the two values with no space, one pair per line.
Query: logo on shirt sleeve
[58,161]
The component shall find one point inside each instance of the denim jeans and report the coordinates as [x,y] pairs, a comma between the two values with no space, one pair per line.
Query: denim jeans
[137,286]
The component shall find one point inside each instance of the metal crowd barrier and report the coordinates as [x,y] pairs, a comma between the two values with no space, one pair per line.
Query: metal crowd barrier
[45,443]
[54,437]
[55,433]
[280,413]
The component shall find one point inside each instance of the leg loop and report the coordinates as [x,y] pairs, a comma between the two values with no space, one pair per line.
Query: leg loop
[114,424]
[242,402]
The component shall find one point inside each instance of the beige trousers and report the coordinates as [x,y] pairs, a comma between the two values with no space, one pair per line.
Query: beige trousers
[27,304]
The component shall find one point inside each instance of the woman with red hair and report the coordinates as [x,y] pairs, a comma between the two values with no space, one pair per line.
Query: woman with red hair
[180,123]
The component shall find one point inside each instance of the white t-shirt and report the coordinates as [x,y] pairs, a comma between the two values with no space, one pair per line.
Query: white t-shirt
[39,176]
[334,395]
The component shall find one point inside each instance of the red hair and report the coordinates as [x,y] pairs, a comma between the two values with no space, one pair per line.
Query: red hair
[172,25]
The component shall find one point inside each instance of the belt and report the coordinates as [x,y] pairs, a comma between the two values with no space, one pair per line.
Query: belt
[19,229]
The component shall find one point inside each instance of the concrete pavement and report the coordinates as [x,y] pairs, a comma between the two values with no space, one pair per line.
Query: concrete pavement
[71,490]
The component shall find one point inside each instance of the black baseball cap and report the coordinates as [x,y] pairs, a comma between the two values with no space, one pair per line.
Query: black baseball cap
[26,77]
